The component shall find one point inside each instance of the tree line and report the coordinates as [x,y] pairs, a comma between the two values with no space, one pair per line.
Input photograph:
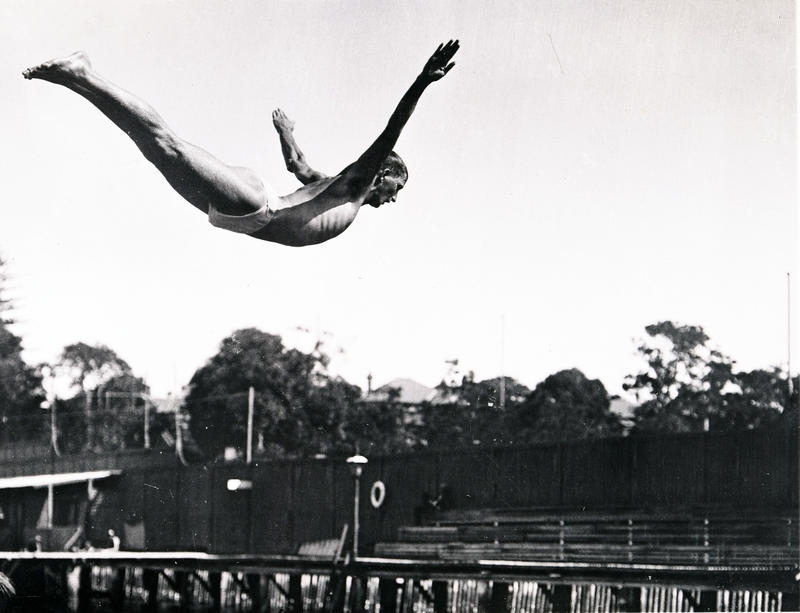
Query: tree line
[300,408]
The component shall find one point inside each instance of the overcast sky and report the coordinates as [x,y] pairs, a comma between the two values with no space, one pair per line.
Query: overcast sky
[586,169]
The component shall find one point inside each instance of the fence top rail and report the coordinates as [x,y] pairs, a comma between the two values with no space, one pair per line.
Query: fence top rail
[616,572]
[742,576]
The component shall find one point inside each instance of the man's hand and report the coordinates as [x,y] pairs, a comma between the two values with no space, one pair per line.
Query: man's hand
[281,122]
[439,64]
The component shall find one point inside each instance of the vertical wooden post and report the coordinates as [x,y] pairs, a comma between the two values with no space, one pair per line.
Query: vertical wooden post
[387,595]
[358,593]
[150,583]
[254,588]
[482,596]
[50,506]
[85,588]
[708,601]
[266,600]
[790,601]
[117,595]
[498,598]
[439,596]
[630,599]
[62,588]
[335,595]
[182,585]
[295,594]
[561,596]
[215,589]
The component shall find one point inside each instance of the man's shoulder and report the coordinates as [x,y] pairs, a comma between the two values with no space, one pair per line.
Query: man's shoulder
[306,192]
[347,186]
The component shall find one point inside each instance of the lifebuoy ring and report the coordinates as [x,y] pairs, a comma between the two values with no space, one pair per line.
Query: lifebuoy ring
[377,494]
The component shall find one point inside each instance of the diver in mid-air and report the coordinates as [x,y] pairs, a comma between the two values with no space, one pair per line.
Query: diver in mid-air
[236,198]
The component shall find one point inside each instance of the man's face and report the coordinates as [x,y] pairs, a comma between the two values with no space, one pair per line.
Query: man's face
[385,191]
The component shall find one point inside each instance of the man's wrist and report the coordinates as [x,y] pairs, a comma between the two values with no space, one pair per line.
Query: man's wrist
[423,80]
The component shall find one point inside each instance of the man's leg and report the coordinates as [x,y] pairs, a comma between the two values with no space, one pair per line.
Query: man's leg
[194,173]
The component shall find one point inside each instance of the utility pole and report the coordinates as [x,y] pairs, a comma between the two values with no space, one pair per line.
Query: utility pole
[179,436]
[251,396]
[53,429]
[502,362]
[50,404]
[146,422]
[90,419]
[789,332]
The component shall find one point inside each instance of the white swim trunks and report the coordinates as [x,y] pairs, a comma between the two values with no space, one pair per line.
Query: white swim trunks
[249,223]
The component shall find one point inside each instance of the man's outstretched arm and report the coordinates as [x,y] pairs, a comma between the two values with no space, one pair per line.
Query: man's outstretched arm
[294,158]
[439,64]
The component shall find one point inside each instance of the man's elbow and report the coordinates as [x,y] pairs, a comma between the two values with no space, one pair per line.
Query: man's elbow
[297,164]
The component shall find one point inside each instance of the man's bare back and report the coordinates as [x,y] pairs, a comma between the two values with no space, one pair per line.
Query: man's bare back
[236,198]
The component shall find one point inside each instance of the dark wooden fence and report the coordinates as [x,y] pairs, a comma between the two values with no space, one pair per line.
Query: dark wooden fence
[302,500]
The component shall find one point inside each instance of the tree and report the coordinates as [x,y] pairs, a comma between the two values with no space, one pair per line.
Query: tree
[789,416]
[469,413]
[21,394]
[103,399]
[298,407]
[88,366]
[565,406]
[119,413]
[376,426]
[758,399]
[687,385]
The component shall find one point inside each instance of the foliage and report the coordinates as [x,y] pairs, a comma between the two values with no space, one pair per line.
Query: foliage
[469,413]
[105,410]
[687,385]
[377,427]
[789,417]
[565,406]
[21,394]
[757,400]
[88,366]
[119,413]
[486,394]
[298,407]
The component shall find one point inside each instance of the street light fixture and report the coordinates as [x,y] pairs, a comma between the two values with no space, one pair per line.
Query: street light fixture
[356,464]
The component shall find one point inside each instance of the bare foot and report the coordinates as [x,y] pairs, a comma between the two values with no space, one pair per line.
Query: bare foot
[60,70]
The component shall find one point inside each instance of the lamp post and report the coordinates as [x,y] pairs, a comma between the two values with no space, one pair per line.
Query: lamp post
[356,464]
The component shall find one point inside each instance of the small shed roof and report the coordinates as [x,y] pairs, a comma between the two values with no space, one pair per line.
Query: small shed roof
[7,483]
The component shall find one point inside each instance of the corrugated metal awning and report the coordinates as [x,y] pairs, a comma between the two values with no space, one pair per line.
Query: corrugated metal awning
[7,483]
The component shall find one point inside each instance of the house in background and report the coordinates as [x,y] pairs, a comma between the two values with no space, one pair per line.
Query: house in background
[408,393]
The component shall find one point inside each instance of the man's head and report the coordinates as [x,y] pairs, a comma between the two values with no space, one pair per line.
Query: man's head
[389,180]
